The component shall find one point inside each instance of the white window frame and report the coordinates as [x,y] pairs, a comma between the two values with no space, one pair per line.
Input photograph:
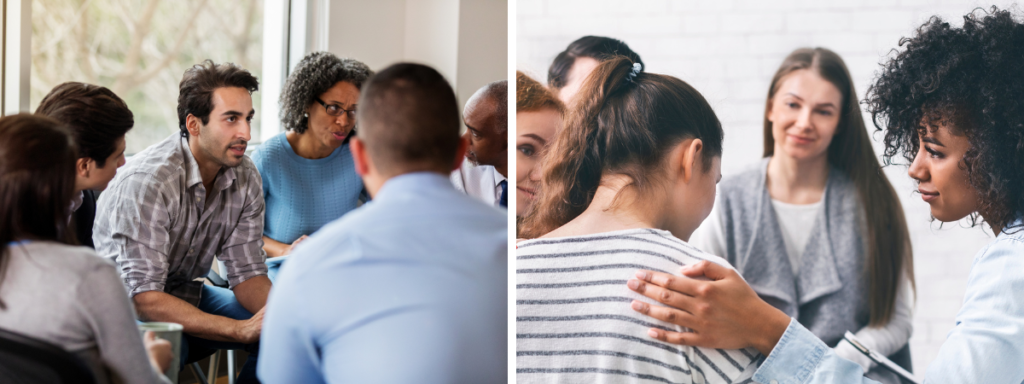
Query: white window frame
[291,30]
[16,23]
[299,28]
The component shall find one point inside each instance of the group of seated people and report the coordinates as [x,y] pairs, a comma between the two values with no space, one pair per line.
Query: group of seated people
[621,279]
[400,277]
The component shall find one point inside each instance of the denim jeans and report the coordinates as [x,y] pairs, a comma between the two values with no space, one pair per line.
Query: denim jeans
[274,266]
[221,302]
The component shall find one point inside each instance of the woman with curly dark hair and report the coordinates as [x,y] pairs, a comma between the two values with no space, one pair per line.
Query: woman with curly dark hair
[308,175]
[952,103]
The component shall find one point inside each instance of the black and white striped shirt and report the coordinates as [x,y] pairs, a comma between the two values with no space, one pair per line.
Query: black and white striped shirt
[574,322]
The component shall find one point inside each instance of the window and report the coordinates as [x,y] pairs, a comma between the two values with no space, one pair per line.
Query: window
[139,49]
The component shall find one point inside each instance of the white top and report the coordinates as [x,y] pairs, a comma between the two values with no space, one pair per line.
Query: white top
[796,222]
[480,181]
[574,322]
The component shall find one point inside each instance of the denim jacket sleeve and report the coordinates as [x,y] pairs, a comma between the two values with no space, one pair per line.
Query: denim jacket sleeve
[985,346]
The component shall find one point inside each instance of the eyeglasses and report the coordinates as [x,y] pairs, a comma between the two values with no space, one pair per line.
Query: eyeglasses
[336,110]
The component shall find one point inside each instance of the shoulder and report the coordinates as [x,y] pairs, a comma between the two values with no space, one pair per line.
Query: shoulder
[248,176]
[743,181]
[158,165]
[269,150]
[1006,251]
[74,263]
[735,189]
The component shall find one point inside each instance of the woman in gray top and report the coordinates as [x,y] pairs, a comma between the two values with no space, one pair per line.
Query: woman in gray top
[799,228]
[49,289]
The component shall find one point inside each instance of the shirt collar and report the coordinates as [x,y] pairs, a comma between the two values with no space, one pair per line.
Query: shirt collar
[415,181]
[76,201]
[498,178]
[224,179]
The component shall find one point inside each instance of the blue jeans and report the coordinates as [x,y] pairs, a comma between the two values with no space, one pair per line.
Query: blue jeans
[274,266]
[221,302]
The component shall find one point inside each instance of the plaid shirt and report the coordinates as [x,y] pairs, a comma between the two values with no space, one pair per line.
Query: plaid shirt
[154,222]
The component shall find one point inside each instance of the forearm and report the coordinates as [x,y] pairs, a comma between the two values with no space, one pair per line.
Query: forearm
[800,357]
[160,306]
[252,293]
[274,248]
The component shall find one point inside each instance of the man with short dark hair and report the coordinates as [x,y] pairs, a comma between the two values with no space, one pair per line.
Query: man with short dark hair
[98,120]
[574,64]
[484,174]
[184,200]
[410,287]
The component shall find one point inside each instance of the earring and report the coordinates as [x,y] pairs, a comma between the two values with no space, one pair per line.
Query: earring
[305,115]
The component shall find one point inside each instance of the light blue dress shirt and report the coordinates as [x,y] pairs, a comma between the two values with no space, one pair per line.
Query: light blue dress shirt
[409,288]
[985,346]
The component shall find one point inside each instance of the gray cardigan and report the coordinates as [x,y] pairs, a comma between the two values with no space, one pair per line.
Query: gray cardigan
[829,295]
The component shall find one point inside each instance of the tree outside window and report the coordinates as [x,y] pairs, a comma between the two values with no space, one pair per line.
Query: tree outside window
[140,49]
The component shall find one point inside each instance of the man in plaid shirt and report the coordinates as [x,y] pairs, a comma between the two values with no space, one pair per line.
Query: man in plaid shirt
[184,200]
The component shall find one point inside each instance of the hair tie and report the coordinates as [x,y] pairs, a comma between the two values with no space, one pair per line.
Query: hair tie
[637,67]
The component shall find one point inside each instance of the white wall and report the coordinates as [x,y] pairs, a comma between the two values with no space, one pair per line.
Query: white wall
[483,45]
[729,49]
[465,40]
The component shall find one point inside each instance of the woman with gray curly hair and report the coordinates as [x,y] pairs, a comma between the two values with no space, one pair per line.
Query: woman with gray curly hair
[309,177]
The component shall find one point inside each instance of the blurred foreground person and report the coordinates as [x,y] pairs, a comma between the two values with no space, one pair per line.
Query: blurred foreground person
[49,289]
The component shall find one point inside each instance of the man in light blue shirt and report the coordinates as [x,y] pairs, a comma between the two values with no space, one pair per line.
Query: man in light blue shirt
[411,287]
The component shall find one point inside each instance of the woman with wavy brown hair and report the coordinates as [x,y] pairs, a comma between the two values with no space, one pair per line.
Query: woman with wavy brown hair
[538,117]
[815,227]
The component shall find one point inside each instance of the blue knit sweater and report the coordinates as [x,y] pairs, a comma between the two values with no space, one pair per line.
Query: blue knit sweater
[303,194]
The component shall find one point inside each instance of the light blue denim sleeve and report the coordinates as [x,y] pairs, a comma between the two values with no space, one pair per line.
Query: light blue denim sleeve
[987,343]
[985,346]
[800,357]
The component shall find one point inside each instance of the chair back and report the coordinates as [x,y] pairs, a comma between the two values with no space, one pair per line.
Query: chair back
[25,360]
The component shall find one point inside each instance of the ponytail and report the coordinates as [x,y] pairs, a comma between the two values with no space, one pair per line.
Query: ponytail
[622,121]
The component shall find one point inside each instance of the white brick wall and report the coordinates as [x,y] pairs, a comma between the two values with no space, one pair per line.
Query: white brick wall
[729,49]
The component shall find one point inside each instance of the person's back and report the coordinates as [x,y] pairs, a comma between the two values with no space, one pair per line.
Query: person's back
[574,322]
[632,172]
[439,317]
[72,298]
[411,287]
[50,290]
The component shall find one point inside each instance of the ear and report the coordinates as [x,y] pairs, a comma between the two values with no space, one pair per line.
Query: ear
[359,155]
[192,124]
[83,166]
[691,159]
[460,152]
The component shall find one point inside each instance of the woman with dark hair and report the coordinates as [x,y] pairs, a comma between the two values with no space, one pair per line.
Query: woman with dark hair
[798,226]
[309,178]
[49,289]
[538,117]
[626,181]
[99,121]
[950,103]
[571,66]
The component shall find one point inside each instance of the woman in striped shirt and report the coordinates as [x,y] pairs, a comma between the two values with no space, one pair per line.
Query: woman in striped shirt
[626,181]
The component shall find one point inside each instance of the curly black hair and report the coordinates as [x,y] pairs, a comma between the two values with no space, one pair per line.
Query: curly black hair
[971,79]
[314,75]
